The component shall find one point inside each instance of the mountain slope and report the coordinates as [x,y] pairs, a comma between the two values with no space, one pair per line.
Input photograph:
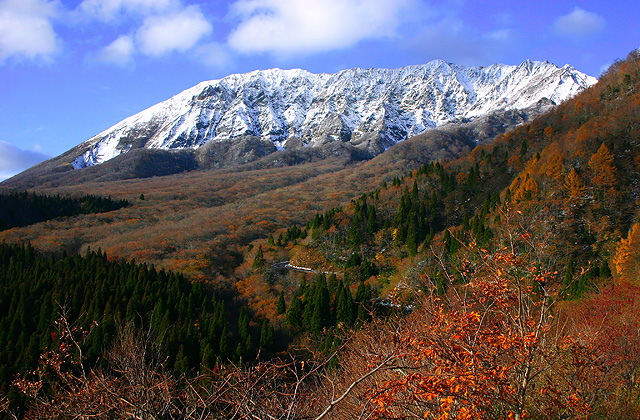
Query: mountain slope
[370,109]
[566,184]
[508,237]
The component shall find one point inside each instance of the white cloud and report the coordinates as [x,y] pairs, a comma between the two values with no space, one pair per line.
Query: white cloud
[579,24]
[14,160]
[26,29]
[178,31]
[286,27]
[160,27]
[119,52]
[108,10]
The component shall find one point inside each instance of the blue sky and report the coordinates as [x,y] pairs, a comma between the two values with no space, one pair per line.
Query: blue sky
[72,68]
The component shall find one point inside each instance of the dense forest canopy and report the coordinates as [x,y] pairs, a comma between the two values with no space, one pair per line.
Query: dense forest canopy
[23,208]
[196,327]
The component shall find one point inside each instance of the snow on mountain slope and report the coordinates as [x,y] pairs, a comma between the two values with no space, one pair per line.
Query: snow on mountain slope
[373,109]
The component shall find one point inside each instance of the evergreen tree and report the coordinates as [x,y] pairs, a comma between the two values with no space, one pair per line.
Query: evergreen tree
[258,260]
[281,306]
[344,306]
[181,365]
[266,337]
[321,316]
[295,312]
[372,221]
[223,346]
[363,296]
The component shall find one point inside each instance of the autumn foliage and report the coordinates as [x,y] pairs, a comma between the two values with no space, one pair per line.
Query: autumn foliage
[492,349]
[507,282]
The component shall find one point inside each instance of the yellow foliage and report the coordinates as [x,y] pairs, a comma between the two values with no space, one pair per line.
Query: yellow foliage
[602,167]
[626,261]
[525,189]
[574,184]
[555,166]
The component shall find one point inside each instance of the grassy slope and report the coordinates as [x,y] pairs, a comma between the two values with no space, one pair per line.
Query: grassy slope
[195,221]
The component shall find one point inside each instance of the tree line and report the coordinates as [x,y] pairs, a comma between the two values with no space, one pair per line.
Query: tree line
[19,209]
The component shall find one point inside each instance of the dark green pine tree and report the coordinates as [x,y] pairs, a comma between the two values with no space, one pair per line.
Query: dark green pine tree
[295,312]
[266,338]
[238,355]
[414,192]
[344,306]
[412,234]
[181,365]
[363,297]
[258,260]
[604,270]
[249,348]
[372,221]
[223,346]
[243,326]
[354,235]
[207,359]
[317,306]
[281,306]
[367,269]
[321,316]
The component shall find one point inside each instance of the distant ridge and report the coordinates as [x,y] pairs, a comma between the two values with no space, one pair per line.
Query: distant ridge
[371,110]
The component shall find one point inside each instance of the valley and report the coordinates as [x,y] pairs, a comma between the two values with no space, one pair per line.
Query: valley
[505,250]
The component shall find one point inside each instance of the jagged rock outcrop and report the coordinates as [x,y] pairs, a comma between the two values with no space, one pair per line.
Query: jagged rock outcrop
[243,117]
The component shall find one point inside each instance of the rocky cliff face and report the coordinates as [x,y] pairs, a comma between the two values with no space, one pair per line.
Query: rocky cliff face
[369,109]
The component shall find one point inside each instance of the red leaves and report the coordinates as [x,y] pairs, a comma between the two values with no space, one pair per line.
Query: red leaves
[483,352]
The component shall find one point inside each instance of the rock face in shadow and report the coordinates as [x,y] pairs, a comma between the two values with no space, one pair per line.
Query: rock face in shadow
[225,154]
[253,153]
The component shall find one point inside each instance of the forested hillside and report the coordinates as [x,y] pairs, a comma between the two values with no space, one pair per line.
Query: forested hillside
[23,209]
[551,205]
[570,175]
[503,284]
[196,327]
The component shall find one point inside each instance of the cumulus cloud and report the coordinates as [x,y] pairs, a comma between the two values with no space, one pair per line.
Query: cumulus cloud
[119,52]
[156,27]
[14,160]
[26,29]
[285,27]
[179,31]
[108,10]
[579,24]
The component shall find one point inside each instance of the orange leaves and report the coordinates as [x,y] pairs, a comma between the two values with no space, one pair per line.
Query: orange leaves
[554,167]
[574,184]
[603,171]
[485,351]
[524,188]
[445,405]
[548,132]
[626,261]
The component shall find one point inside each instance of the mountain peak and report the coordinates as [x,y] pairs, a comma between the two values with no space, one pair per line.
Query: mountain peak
[372,109]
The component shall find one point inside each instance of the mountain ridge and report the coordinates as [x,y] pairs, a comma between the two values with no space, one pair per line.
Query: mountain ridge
[372,109]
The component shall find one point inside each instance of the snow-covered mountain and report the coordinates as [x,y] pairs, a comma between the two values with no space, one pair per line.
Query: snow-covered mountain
[371,109]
